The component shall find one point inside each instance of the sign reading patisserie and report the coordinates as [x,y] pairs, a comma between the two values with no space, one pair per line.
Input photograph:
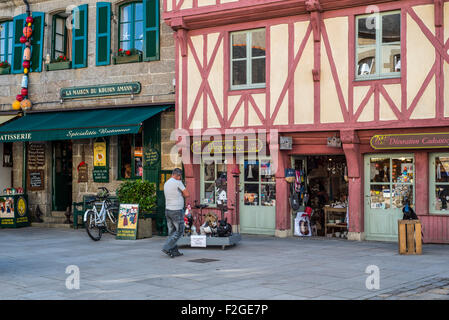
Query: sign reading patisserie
[410,141]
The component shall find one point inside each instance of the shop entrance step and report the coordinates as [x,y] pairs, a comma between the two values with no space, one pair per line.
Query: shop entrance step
[50,225]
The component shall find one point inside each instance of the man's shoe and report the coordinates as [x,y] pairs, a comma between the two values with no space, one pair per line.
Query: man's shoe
[168,253]
[176,253]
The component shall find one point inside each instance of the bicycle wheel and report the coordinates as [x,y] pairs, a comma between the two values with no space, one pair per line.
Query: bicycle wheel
[111,222]
[92,229]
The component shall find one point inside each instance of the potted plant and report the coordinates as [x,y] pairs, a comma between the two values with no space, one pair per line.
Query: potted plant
[5,67]
[60,63]
[142,193]
[127,56]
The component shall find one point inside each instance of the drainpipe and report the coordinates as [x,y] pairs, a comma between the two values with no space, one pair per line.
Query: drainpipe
[28,7]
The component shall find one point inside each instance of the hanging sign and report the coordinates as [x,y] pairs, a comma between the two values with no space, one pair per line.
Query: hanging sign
[410,141]
[127,221]
[100,154]
[82,172]
[112,89]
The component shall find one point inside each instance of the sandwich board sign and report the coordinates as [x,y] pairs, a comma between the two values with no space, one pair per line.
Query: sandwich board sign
[127,221]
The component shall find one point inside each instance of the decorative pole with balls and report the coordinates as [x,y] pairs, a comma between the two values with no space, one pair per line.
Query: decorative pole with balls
[22,101]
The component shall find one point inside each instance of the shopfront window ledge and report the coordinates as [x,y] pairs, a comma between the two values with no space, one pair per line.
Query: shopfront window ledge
[63,65]
[6,70]
[127,59]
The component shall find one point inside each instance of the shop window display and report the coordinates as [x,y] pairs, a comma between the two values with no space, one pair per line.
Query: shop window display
[259,183]
[321,183]
[439,183]
[211,171]
[391,182]
[130,156]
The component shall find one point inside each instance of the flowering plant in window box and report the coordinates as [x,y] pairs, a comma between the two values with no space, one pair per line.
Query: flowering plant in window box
[5,67]
[60,63]
[128,56]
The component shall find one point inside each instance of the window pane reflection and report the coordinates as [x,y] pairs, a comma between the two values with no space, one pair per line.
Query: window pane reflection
[251,195]
[380,169]
[442,169]
[268,194]
[441,197]
[403,170]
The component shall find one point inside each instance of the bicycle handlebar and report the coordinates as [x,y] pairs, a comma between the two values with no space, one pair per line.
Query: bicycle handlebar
[104,188]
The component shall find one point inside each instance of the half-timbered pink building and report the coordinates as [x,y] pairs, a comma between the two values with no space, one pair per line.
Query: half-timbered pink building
[372,73]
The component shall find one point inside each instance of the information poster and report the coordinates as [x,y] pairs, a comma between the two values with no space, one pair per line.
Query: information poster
[101,167]
[127,221]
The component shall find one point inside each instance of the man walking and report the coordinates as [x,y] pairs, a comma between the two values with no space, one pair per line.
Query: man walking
[175,192]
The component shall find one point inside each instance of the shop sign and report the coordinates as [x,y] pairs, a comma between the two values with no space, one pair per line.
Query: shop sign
[36,180]
[100,154]
[228,146]
[100,172]
[127,221]
[151,157]
[82,172]
[285,143]
[113,89]
[410,141]
[198,241]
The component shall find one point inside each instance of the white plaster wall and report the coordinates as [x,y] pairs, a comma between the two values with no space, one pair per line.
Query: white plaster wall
[194,76]
[279,70]
[330,111]
[427,104]
[303,81]
[418,67]
[337,31]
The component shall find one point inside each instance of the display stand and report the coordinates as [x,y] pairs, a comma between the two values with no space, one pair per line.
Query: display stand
[222,242]
[334,212]
[14,211]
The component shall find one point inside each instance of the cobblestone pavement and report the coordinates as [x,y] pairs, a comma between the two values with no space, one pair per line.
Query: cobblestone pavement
[33,264]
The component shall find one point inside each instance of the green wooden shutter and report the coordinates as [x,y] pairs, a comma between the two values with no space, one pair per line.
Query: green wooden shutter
[103,45]
[151,30]
[37,41]
[79,35]
[17,47]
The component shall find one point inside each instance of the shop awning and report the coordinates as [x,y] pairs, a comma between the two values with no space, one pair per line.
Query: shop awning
[5,118]
[69,125]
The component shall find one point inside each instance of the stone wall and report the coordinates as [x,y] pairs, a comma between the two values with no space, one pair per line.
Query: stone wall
[156,77]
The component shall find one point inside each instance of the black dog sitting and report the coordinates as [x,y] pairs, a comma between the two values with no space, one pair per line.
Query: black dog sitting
[224,229]
[409,213]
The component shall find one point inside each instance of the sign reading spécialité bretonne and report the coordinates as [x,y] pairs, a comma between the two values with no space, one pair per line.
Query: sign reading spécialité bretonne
[410,141]
[112,89]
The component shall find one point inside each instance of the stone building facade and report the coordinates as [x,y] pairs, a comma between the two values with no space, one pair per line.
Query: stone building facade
[156,78]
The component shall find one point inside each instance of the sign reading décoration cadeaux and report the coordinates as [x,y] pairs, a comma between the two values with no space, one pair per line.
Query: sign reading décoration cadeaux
[112,89]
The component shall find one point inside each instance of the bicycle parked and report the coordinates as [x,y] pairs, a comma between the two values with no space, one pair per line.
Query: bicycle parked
[98,223]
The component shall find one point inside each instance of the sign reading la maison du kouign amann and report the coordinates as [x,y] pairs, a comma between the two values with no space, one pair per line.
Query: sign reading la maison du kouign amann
[112,89]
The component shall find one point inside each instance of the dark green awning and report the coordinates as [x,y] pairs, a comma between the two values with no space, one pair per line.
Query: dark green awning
[69,125]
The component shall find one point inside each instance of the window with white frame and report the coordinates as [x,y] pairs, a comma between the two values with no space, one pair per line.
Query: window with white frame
[439,183]
[378,45]
[248,52]
[210,172]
